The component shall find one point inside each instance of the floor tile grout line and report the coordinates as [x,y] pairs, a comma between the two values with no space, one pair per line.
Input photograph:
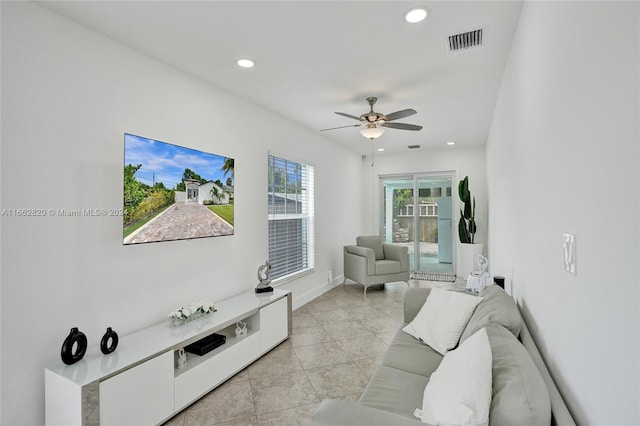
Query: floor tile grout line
[306,374]
[333,365]
[288,408]
[284,409]
[253,397]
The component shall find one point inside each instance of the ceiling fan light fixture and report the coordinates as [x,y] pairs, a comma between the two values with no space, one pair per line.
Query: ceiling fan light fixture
[416,14]
[372,132]
[245,63]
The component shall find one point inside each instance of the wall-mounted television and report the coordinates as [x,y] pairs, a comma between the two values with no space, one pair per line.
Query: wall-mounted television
[175,193]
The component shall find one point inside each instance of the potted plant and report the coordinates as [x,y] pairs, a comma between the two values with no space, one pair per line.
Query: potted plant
[469,249]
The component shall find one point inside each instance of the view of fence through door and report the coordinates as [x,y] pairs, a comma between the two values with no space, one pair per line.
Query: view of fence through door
[423,223]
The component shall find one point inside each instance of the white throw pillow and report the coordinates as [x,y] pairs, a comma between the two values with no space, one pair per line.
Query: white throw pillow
[442,319]
[459,391]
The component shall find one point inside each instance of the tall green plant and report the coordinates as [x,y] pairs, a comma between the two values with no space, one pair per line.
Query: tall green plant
[467,224]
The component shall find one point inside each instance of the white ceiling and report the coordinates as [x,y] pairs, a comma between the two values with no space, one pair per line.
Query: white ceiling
[317,57]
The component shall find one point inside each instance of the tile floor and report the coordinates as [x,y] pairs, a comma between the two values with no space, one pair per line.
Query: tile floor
[337,342]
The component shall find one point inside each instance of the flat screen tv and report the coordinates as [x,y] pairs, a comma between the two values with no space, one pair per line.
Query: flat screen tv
[174,193]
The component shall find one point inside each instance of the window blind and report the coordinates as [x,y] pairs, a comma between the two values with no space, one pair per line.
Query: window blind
[290,215]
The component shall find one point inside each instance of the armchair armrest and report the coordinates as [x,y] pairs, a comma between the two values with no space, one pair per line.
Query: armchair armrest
[399,253]
[362,251]
[332,412]
[366,261]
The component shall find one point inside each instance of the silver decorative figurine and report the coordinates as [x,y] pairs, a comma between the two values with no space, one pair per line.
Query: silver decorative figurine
[264,276]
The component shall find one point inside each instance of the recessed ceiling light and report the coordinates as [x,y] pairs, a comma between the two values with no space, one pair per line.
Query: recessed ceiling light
[415,15]
[451,143]
[380,149]
[245,63]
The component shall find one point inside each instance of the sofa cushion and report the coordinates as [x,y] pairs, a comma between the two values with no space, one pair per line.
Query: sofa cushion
[384,267]
[414,299]
[374,242]
[408,354]
[520,395]
[332,412]
[459,391]
[441,320]
[395,391]
[496,307]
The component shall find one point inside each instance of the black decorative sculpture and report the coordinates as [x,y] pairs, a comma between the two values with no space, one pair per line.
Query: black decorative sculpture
[112,336]
[264,273]
[74,347]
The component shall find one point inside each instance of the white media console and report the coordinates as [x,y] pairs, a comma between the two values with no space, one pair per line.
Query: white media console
[139,382]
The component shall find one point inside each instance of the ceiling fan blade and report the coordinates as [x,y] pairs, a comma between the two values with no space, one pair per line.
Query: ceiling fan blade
[341,127]
[402,126]
[348,115]
[400,114]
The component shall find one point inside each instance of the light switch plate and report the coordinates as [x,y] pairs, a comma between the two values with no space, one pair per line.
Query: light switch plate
[569,244]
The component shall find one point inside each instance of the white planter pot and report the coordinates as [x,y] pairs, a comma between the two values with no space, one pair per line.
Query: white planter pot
[468,258]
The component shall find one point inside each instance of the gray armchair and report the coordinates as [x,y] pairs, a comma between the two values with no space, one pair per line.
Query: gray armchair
[371,261]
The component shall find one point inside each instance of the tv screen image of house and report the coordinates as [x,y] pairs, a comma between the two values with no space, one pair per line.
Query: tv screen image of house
[175,193]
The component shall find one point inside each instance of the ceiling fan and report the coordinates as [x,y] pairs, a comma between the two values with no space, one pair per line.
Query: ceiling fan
[373,123]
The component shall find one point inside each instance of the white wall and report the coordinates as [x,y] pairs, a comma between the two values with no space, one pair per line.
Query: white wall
[462,161]
[562,156]
[0,257]
[68,96]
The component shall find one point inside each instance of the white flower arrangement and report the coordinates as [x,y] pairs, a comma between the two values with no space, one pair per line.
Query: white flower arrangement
[195,310]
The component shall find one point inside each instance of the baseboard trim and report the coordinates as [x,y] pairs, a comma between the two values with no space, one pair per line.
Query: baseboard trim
[307,297]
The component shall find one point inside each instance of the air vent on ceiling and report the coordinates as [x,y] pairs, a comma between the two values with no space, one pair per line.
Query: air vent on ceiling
[465,40]
[413,146]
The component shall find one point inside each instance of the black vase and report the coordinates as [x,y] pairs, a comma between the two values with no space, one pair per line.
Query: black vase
[104,343]
[79,340]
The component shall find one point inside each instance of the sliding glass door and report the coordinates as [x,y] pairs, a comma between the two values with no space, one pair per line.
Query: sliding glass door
[397,226]
[416,210]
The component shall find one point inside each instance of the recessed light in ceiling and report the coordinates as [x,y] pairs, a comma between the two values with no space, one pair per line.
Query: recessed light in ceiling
[451,143]
[380,149]
[415,15]
[245,63]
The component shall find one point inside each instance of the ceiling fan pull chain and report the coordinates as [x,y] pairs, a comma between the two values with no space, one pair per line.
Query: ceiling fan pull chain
[372,162]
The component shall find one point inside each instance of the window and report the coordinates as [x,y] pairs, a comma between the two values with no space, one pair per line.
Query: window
[290,214]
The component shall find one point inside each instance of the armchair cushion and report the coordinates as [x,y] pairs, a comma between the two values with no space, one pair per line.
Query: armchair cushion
[398,253]
[374,242]
[384,267]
